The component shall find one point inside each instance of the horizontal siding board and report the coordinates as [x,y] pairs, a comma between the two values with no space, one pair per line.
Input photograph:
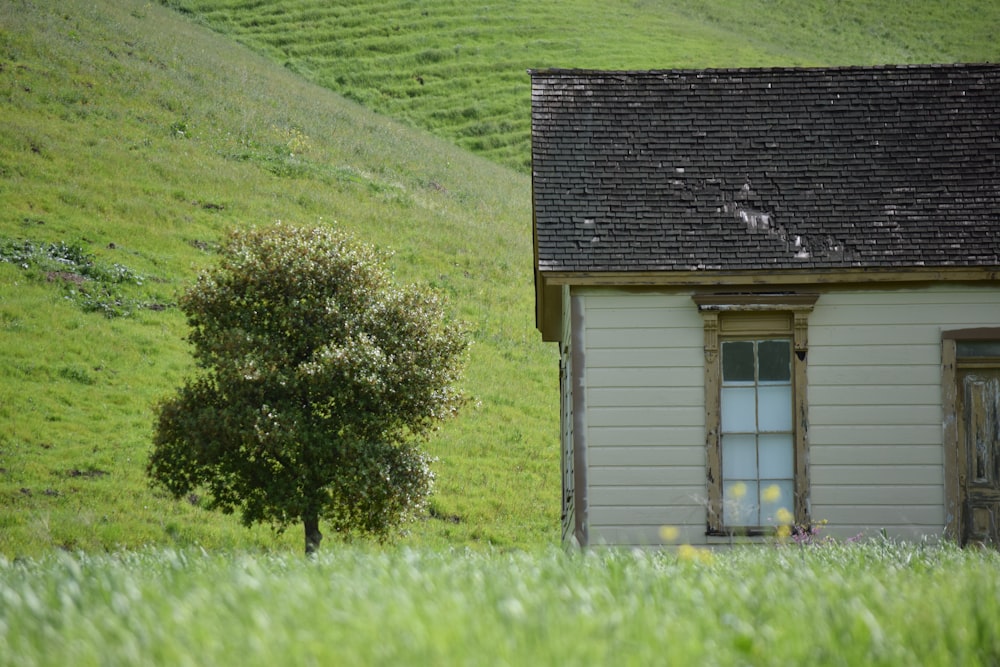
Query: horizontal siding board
[654,496]
[831,373]
[854,494]
[684,416]
[687,376]
[646,456]
[649,317]
[626,338]
[922,296]
[867,395]
[882,355]
[611,297]
[838,336]
[652,357]
[607,397]
[645,475]
[862,437]
[826,475]
[890,314]
[690,530]
[612,436]
[874,415]
[877,516]
[636,515]
[865,455]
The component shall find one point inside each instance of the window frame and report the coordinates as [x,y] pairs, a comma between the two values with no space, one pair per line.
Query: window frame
[755,316]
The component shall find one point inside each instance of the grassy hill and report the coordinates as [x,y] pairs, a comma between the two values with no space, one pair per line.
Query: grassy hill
[137,137]
[458,68]
[132,136]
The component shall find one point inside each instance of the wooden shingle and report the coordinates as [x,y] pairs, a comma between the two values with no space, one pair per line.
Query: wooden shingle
[766,169]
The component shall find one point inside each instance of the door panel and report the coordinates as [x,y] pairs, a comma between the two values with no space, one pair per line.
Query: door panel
[979,437]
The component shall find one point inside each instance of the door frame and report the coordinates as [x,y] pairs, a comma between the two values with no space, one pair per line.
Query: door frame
[955,456]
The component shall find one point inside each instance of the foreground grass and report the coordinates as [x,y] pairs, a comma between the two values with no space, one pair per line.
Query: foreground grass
[867,604]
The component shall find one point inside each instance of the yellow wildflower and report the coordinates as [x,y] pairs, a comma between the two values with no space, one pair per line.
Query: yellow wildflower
[784,517]
[686,552]
[669,533]
[771,494]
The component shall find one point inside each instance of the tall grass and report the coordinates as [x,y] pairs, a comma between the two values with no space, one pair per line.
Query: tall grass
[874,604]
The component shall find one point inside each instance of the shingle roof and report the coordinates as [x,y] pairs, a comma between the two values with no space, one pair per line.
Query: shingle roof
[751,169]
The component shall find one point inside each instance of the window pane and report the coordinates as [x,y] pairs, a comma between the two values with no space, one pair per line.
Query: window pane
[739,457]
[737,361]
[776,495]
[739,503]
[978,348]
[775,360]
[777,460]
[774,408]
[738,410]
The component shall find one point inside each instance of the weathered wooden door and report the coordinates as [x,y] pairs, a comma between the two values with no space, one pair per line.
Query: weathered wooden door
[979,437]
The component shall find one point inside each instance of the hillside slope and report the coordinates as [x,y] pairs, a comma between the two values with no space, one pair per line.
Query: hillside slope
[458,68]
[130,140]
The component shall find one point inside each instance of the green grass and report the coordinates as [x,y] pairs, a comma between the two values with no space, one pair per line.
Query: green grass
[874,604]
[131,138]
[141,138]
[458,68]
[135,133]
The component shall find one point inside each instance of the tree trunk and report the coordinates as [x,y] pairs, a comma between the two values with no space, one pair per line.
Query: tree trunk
[313,536]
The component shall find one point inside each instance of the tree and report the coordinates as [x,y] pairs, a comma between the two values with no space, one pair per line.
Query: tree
[317,379]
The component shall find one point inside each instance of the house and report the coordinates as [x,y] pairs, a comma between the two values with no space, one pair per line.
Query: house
[776,295]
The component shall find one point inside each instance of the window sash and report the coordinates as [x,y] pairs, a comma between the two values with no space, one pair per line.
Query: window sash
[757,438]
[730,318]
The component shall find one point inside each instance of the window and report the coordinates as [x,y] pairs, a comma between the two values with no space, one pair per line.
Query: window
[758,452]
[755,400]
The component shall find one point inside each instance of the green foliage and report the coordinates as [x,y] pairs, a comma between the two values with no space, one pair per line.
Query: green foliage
[879,603]
[94,286]
[319,374]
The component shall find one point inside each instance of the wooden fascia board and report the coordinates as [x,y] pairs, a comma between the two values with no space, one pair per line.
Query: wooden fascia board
[769,278]
[548,309]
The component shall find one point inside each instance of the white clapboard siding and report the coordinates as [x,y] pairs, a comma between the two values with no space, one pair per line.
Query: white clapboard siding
[875,434]
[906,494]
[871,394]
[874,367]
[893,518]
[645,414]
[650,455]
[648,496]
[866,450]
[635,397]
[615,436]
[660,515]
[651,535]
[875,474]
